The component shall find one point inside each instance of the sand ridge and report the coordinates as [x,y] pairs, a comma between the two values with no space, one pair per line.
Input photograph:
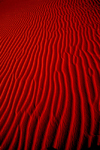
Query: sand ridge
[49,74]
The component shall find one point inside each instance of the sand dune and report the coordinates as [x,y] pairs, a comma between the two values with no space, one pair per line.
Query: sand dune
[50,74]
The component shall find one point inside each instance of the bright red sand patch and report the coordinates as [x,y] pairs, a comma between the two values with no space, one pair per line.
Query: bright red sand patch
[49,74]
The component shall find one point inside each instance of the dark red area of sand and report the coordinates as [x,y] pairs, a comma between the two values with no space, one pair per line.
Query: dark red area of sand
[49,74]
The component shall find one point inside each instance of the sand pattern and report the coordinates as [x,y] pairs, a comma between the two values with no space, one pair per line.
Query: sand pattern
[50,75]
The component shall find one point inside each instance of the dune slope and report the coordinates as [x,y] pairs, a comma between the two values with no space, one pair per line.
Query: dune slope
[49,74]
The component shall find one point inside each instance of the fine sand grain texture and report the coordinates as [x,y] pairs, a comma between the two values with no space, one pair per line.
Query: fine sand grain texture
[49,74]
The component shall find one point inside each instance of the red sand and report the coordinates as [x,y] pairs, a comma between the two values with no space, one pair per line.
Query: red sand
[50,74]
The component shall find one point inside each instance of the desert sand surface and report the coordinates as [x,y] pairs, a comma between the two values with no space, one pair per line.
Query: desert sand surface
[49,74]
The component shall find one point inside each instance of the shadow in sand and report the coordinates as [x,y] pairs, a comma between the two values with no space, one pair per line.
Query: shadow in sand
[51,148]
